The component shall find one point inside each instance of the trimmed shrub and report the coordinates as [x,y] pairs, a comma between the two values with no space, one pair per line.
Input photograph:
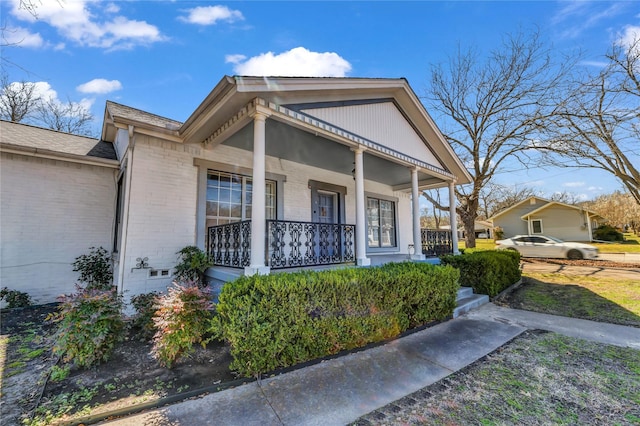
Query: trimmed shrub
[607,233]
[145,305]
[279,320]
[15,298]
[488,272]
[90,324]
[182,319]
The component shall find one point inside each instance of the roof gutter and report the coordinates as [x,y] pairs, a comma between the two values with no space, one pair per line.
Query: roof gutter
[60,156]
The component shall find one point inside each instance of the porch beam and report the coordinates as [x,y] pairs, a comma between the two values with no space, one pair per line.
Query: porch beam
[361,217]
[453,218]
[415,201]
[258,215]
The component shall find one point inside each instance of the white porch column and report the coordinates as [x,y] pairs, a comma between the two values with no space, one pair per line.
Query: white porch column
[258,216]
[453,218]
[361,217]
[415,201]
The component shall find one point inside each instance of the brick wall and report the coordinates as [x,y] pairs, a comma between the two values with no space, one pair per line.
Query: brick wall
[51,212]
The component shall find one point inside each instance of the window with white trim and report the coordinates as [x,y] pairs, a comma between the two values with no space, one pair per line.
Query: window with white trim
[381,223]
[536,226]
[229,198]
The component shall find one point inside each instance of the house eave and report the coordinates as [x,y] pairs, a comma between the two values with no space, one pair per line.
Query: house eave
[56,155]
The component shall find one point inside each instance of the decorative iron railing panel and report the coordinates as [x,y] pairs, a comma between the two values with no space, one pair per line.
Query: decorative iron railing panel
[293,244]
[230,244]
[436,242]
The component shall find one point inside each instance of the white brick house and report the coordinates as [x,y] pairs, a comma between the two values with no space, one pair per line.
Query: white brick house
[272,173]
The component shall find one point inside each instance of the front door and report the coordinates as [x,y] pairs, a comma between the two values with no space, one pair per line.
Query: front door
[327,207]
[325,215]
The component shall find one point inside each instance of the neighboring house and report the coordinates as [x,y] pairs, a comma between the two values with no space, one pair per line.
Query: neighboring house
[267,173]
[537,215]
[482,229]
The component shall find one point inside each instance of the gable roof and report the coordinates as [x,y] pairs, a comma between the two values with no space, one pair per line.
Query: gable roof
[557,203]
[289,93]
[546,204]
[280,94]
[508,209]
[21,136]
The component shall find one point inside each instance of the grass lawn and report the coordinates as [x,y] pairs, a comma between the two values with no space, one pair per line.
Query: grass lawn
[537,379]
[631,244]
[593,298]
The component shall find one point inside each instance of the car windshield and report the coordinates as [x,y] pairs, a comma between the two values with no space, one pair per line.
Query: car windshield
[557,240]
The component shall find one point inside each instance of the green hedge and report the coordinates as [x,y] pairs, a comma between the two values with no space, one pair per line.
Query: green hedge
[488,272]
[279,320]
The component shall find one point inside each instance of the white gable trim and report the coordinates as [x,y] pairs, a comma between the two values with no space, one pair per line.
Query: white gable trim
[311,124]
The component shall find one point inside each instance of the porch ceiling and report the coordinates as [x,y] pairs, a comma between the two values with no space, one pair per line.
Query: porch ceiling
[292,144]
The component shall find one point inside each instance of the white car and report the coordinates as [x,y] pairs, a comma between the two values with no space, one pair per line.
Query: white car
[542,246]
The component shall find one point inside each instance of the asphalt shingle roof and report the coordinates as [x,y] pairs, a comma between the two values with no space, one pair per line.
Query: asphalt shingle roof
[25,135]
[133,114]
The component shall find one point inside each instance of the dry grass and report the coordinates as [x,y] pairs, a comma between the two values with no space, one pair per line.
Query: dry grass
[537,379]
[602,299]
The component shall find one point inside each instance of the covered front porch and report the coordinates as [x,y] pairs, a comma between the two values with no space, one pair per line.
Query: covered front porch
[362,197]
[294,244]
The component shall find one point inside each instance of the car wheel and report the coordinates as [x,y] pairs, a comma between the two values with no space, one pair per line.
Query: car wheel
[574,255]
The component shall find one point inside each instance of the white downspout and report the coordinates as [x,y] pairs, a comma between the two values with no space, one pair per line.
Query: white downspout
[125,211]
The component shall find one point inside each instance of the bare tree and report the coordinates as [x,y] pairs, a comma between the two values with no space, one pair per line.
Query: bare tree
[18,100]
[598,124]
[69,117]
[619,209]
[495,197]
[438,215]
[493,109]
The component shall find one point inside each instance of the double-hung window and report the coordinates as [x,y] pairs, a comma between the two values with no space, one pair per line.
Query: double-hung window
[381,223]
[536,226]
[229,198]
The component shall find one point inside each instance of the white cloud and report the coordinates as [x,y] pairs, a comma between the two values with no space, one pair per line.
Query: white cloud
[630,34]
[297,62]
[210,15]
[575,17]
[79,21]
[234,59]
[595,188]
[22,37]
[99,86]
[596,64]
[573,184]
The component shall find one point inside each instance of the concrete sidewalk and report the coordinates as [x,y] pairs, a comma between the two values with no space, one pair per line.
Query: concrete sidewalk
[612,334]
[338,391]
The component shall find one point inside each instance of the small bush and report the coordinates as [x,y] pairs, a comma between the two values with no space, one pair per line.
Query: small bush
[192,265]
[58,374]
[278,320]
[607,233]
[95,269]
[15,298]
[488,272]
[181,320]
[90,324]
[145,306]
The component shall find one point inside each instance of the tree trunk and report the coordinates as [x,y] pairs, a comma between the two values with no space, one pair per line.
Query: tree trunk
[468,213]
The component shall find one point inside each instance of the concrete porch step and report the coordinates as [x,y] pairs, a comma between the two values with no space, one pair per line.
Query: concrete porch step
[467,301]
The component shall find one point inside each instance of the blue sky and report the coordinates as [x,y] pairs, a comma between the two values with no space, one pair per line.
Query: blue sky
[165,56]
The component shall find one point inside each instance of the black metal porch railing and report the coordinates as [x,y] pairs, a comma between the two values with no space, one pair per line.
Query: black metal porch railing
[230,244]
[436,242]
[294,244]
[289,244]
